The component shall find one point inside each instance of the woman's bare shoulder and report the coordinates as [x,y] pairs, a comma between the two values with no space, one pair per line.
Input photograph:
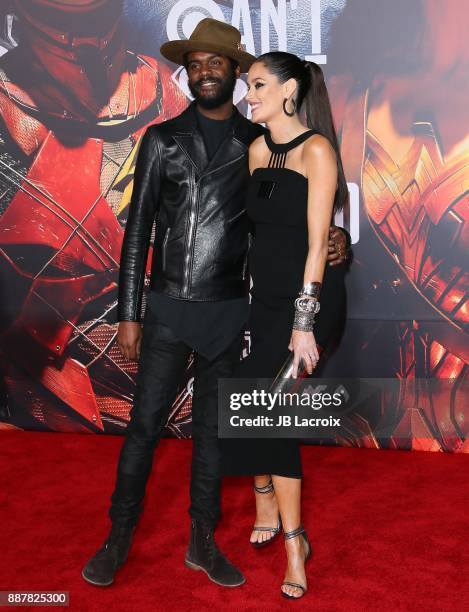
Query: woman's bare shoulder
[257,152]
[319,159]
[318,147]
[258,145]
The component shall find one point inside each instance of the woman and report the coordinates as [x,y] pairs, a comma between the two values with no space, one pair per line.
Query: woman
[297,184]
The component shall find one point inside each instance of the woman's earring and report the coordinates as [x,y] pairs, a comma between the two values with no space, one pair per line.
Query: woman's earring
[285,107]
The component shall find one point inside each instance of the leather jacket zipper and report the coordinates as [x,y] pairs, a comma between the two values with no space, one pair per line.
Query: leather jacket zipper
[232,161]
[190,242]
[163,251]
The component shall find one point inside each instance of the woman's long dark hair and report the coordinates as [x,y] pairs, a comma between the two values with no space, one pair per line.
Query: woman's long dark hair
[312,93]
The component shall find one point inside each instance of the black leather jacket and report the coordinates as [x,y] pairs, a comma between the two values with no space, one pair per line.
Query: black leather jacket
[202,229]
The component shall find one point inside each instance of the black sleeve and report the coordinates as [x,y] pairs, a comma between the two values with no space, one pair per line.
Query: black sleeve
[142,211]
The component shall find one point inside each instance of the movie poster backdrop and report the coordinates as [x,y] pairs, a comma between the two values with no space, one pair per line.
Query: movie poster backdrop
[79,82]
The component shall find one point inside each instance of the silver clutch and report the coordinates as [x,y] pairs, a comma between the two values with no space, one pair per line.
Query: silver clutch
[283,381]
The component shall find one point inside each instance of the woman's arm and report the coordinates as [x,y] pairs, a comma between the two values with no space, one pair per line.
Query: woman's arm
[321,171]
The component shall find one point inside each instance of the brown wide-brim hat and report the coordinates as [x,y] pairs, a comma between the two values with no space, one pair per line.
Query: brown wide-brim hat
[210,35]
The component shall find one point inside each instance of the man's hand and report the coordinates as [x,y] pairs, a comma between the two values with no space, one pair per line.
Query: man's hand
[337,246]
[129,339]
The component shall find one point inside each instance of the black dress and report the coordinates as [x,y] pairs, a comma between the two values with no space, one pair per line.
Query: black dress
[277,205]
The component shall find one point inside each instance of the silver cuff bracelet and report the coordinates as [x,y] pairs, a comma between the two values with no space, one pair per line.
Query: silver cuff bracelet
[303,321]
[312,289]
[307,304]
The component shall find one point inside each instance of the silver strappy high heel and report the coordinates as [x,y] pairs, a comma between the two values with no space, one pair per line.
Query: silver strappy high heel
[293,534]
[268,488]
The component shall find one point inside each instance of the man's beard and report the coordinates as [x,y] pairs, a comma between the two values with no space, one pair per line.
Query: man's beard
[224,93]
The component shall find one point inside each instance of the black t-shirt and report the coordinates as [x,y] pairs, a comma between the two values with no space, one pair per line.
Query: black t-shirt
[213,131]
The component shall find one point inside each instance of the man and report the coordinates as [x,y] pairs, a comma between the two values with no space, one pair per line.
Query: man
[191,175]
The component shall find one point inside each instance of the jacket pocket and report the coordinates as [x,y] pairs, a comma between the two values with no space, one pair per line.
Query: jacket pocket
[163,251]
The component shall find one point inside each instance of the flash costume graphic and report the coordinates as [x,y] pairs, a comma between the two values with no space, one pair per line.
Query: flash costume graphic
[74,102]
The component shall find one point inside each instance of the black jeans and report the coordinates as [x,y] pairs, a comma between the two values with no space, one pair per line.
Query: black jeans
[163,359]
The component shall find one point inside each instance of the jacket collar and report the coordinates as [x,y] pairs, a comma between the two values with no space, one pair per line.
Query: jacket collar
[189,138]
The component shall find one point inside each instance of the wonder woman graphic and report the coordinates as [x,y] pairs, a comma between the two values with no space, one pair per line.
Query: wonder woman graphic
[402,113]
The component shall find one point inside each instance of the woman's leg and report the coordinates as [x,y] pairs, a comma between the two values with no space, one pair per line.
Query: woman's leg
[288,494]
[266,509]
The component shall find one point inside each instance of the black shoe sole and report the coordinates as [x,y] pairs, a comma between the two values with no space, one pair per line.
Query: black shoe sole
[287,596]
[101,584]
[194,566]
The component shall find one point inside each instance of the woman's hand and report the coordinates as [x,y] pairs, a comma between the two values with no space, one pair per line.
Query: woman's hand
[304,346]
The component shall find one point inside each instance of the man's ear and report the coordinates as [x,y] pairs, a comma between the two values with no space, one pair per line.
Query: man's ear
[237,72]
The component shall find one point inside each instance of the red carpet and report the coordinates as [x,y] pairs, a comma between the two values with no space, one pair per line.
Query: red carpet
[389,529]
